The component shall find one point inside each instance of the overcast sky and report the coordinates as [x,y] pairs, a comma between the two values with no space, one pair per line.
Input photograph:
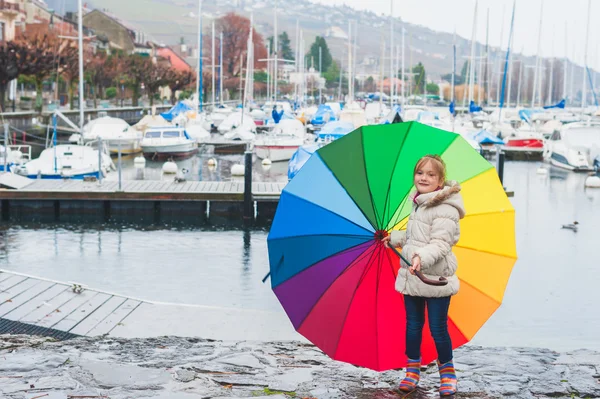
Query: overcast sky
[563,27]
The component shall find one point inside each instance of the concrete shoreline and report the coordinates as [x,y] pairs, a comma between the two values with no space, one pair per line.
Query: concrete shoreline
[186,368]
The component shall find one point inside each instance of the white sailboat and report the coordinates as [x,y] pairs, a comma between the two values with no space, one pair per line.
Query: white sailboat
[115,132]
[282,142]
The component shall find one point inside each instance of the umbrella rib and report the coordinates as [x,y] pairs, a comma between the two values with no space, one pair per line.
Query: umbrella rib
[352,264]
[486,252]
[367,237]
[404,199]
[376,309]
[489,213]
[362,140]
[369,264]
[387,195]
[330,211]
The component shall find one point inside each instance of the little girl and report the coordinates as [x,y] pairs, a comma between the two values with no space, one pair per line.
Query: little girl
[432,231]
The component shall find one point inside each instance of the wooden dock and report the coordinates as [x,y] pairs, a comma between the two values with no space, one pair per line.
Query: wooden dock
[36,306]
[154,201]
[144,190]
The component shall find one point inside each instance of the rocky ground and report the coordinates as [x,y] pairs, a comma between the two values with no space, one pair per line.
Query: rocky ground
[186,368]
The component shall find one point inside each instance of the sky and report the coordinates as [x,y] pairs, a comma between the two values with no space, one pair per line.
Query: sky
[563,27]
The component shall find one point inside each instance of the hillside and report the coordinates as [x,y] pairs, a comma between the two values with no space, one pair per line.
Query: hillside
[167,21]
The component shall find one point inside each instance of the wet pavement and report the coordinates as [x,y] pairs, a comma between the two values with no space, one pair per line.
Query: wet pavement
[182,368]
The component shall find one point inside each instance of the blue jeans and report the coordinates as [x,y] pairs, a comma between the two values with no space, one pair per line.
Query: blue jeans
[437,310]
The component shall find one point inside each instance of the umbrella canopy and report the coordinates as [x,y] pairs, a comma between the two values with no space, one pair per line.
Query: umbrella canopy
[329,269]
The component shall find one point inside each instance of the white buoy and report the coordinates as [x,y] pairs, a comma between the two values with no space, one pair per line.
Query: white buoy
[592,182]
[266,162]
[542,171]
[212,162]
[169,167]
[237,170]
[139,162]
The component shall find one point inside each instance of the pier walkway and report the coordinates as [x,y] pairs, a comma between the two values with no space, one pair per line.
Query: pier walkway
[37,306]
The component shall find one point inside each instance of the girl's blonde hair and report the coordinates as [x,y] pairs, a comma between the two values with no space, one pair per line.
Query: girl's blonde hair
[438,165]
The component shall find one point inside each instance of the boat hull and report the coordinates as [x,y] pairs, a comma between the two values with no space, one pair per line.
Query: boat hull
[78,176]
[158,152]
[276,153]
[561,161]
[525,143]
[127,146]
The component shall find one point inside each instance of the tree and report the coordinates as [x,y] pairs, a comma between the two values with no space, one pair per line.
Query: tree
[102,71]
[178,80]
[285,47]
[313,54]
[155,79]
[370,85]
[236,29]
[419,78]
[432,88]
[69,69]
[260,76]
[12,56]
[44,55]
[332,75]
[464,72]
[138,69]
[457,79]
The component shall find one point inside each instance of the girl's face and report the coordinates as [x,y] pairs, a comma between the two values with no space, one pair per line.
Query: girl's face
[427,179]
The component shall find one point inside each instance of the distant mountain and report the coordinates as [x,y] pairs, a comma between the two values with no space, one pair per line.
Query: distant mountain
[168,21]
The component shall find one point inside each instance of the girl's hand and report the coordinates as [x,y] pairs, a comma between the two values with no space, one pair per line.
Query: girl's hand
[386,241]
[416,265]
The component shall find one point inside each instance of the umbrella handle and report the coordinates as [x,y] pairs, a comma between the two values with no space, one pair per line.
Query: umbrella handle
[439,283]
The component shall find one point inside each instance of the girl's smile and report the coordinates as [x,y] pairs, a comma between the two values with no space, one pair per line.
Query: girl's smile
[427,179]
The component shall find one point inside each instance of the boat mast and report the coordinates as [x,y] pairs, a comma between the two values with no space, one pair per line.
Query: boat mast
[497,56]
[487,59]
[391,53]
[521,66]
[80,39]
[213,66]
[403,88]
[199,73]
[510,35]
[537,60]
[276,53]
[350,91]
[472,58]
[585,58]
[221,67]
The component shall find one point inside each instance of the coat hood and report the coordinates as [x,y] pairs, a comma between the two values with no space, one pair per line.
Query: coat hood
[449,194]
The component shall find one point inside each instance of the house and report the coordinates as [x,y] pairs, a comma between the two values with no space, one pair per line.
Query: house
[394,82]
[177,62]
[121,35]
[11,14]
[36,11]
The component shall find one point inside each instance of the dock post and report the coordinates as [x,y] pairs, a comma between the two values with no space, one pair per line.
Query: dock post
[119,166]
[5,147]
[100,159]
[500,164]
[248,204]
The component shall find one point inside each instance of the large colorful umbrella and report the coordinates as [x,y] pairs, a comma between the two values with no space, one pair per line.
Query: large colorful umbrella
[332,274]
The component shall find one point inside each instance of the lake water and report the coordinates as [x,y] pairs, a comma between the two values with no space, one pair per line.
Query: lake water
[552,298]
